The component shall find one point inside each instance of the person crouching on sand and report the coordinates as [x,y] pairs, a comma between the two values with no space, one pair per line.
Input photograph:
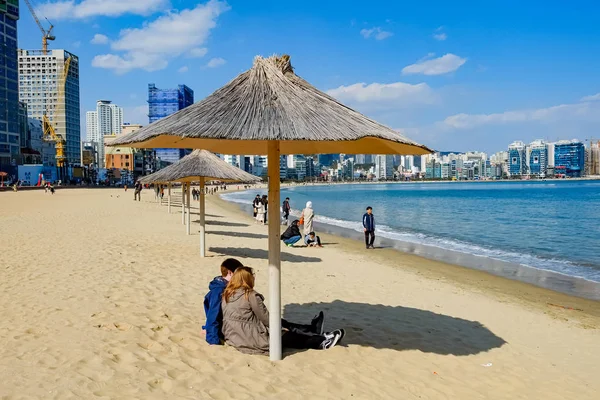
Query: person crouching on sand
[312,240]
[291,234]
[246,321]
[212,301]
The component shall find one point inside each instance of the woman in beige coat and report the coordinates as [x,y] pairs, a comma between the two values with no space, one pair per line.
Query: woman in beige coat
[246,321]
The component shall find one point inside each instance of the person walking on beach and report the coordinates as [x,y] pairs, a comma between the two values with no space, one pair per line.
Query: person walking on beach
[369,227]
[137,192]
[246,321]
[261,213]
[286,210]
[308,215]
[265,200]
[255,204]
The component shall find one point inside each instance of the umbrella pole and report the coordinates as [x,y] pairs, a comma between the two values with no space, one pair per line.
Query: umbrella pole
[169,198]
[202,212]
[183,203]
[274,253]
[189,187]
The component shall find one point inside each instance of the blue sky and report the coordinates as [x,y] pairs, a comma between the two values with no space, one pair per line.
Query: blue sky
[453,75]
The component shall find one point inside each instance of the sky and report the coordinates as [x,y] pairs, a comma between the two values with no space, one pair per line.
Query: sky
[456,76]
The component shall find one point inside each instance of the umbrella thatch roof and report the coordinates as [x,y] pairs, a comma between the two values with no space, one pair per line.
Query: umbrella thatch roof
[200,163]
[270,102]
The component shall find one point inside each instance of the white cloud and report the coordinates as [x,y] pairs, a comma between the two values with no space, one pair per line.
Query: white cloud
[594,97]
[152,46]
[136,114]
[376,32]
[215,62]
[197,52]
[579,112]
[99,39]
[183,69]
[70,9]
[437,66]
[384,94]
[439,34]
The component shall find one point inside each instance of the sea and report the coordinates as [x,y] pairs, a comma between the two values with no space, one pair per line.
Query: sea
[542,232]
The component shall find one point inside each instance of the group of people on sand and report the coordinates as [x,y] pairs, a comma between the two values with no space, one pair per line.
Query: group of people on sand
[292,234]
[260,206]
[236,315]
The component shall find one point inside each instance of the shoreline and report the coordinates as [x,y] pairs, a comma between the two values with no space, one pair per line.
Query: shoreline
[558,305]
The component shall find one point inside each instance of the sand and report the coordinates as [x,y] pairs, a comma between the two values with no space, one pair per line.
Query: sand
[101,297]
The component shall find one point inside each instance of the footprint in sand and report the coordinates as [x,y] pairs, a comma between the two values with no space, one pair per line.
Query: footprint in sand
[160,383]
[122,326]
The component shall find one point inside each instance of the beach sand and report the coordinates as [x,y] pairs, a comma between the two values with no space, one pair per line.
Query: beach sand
[101,297]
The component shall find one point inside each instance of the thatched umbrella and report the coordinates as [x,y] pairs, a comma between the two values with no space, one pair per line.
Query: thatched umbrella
[199,166]
[270,110]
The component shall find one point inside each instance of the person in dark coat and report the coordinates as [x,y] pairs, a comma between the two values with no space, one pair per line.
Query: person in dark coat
[292,234]
[212,301]
[369,227]
[286,210]
[255,204]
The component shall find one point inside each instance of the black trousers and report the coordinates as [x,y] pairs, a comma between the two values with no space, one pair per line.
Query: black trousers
[300,336]
[369,238]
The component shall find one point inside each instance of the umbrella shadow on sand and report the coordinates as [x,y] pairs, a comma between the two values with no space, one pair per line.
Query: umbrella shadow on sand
[224,223]
[239,234]
[399,328]
[245,252]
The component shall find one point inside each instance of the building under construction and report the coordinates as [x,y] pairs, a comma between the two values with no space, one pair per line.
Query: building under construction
[42,75]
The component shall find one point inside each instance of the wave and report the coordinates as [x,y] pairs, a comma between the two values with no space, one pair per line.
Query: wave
[563,267]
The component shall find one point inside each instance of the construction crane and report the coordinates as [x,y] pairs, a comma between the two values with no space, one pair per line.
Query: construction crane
[46,34]
[50,127]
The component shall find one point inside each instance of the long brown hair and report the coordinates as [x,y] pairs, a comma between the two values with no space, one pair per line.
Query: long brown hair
[243,278]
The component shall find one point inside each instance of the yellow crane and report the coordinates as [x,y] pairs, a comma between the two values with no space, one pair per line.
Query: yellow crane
[46,34]
[50,127]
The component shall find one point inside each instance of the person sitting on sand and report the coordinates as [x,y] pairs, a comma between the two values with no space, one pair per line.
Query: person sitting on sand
[212,301]
[312,240]
[291,234]
[246,321]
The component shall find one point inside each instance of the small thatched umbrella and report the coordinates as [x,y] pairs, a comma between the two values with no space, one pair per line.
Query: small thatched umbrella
[199,166]
[270,110]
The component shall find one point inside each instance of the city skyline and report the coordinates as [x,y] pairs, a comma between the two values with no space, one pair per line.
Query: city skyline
[454,86]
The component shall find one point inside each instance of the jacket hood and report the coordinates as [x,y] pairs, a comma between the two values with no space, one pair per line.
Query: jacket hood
[218,283]
[309,204]
[236,295]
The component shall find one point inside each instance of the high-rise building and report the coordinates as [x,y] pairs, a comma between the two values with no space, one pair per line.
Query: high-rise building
[594,158]
[384,166]
[164,102]
[9,82]
[40,77]
[232,159]
[569,158]
[105,121]
[537,158]
[517,160]
[283,167]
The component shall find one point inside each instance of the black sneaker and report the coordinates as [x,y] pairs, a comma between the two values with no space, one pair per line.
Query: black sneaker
[317,324]
[331,339]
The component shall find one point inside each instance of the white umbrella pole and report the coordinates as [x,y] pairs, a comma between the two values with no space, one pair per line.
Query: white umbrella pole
[183,203]
[274,254]
[202,212]
[189,189]
[169,198]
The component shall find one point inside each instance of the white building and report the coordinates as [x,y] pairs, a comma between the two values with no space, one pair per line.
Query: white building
[384,166]
[232,159]
[107,120]
[40,77]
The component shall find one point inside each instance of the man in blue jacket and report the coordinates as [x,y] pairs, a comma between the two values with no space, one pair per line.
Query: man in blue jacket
[212,301]
[369,226]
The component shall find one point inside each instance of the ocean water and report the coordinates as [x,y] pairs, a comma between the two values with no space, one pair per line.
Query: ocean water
[548,226]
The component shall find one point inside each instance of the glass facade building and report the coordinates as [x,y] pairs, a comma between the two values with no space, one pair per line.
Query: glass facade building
[569,158]
[538,158]
[516,159]
[162,103]
[9,83]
